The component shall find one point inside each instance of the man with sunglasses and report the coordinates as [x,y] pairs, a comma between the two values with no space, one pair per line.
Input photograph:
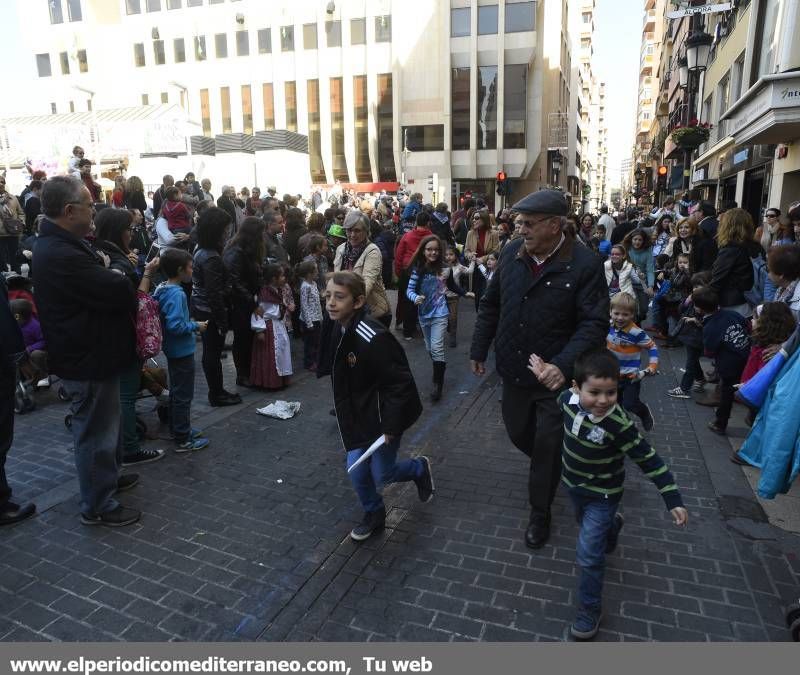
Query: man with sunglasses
[548,297]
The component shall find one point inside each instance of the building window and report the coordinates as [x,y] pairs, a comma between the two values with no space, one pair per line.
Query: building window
[333,33]
[133,6]
[459,22]
[74,10]
[460,108]
[56,13]
[200,53]
[153,5]
[164,97]
[287,38]
[205,112]
[358,31]
[64,58]
[363,171]
[737,76]
[487,20]
[424,138]
[138,54]
[314,135]
[247,109]
[242,43]
[145,99]
[520,16]
[72,106]
[337,130]
[487,108]
[586,42]
[768,19]
[265,41]
[179,49]
[225,102]
[383,28]
[158,51]
[290,95]
[83,61]
[586,17]
[174,4]
[269,105]
[723,91]
[309,36]
[194,3]
[43,65]
[221,45]
[386,170]
[215,2]
[53,109]
[515,91]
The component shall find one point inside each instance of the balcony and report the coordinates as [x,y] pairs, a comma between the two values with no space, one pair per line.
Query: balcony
[646,65]
[649,22]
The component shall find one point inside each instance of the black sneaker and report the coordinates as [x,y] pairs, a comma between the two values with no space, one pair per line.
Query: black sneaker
[126,482]
[119,517]
[223,399]
[647,419]
[424,483]
[143,456]
[374,521]
[14,513]
[613,535]
[586,625]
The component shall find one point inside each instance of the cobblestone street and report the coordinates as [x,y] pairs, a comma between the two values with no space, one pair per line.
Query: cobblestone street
[248,539]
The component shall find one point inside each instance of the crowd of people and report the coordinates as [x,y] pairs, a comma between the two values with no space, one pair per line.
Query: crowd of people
[562,298]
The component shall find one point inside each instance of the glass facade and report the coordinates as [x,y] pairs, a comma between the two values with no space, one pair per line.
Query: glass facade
[269,105]
[487,20]
[290,96]
[225,102]
[205,112]
[460,98]
[425,137]
[247,109]
[363,172]
[487,108]
[386,170]
[314,135]
[337,130]
[514,97]
[459,22]
[520,16]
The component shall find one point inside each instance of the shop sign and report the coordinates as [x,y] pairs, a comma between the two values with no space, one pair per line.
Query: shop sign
[741,156]
[700,174]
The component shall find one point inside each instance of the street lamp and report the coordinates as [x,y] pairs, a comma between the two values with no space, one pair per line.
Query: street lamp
[698,49]
[556,166]
[683,72]
[96,131]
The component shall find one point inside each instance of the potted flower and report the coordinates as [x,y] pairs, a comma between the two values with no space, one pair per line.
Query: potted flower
[691,135]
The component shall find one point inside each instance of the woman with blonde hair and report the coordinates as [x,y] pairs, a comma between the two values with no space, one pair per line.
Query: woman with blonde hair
[732,273]
[134,194]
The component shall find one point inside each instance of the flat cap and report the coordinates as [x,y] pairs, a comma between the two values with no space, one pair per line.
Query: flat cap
[543,201]
[354,218]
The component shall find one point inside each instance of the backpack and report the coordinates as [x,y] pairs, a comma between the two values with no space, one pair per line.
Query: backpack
[148,327]
[755,296]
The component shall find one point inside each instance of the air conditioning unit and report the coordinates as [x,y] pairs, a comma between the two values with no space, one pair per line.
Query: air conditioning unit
[240,18]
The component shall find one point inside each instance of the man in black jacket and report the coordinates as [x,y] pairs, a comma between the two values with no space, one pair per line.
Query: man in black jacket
[87,313]
[160,195]
[548,297]
[12,348]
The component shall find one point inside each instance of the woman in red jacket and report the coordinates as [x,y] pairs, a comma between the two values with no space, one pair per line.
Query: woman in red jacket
[406,313]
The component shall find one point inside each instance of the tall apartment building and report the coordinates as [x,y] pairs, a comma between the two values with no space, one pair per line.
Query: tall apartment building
[372,90]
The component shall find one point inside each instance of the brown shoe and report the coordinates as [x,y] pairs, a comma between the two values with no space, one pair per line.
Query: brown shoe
[736,458]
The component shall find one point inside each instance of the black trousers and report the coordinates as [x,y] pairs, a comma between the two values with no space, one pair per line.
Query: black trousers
[8,382]
[406,310]
[242,342]
[213,342]
[535,425]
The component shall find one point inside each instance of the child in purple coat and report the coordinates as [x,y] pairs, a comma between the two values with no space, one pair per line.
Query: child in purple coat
[34,367]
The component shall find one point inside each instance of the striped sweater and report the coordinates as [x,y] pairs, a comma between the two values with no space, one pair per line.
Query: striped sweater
[593,457]
[627,345]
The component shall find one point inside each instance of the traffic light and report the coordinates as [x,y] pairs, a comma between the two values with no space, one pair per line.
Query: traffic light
[662,176]
[502,183]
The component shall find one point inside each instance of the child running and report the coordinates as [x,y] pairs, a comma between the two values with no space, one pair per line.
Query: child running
[599,433]
[310,312]
[426,289]
[627,342]
[374,396]
[271,363]
[178,345]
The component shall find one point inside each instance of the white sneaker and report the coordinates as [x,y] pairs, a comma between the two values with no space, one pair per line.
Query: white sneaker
[43,383]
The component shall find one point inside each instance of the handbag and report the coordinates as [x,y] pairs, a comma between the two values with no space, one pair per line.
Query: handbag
[13,226]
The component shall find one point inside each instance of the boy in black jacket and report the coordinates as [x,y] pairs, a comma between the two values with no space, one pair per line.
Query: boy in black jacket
[725,338]
[374,397]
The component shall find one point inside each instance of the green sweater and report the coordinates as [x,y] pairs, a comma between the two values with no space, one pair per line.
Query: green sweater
[594,453]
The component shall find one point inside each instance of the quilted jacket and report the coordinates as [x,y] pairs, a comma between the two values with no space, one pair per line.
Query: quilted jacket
[558,315]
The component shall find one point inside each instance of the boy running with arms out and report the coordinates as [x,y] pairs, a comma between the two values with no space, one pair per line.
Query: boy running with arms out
[598,434]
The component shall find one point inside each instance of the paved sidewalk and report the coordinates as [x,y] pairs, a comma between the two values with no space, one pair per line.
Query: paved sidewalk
[248,539]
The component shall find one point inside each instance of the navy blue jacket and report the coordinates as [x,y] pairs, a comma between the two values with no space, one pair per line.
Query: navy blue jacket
[87,312]
[725,338]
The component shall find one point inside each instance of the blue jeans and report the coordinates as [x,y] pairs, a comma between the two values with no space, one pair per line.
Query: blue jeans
[629,393]
[181,393]
[596,518]
[380,469]
[129,381]
[693,370]
[434,330]
[97,436]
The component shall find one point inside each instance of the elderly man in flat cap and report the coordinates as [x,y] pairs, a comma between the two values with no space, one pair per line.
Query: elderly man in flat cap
[548,297]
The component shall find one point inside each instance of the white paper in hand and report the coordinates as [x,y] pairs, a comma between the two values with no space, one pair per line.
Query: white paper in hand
[368,452]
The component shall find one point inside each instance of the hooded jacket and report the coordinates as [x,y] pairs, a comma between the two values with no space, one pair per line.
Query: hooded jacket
[179,329]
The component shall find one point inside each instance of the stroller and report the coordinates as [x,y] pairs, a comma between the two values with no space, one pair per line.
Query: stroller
[153,382]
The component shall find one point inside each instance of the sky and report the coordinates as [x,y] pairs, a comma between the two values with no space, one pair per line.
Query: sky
[618,35]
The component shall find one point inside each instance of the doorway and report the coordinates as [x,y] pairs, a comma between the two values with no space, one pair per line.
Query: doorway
[754,197]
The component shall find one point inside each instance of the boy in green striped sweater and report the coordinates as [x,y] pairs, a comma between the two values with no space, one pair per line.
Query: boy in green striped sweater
[598,434]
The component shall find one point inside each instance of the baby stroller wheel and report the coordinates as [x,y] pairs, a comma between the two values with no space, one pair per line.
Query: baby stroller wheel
[63,395]
[794,629]
[68,420]
[792,613]
[163,413]
[141,428]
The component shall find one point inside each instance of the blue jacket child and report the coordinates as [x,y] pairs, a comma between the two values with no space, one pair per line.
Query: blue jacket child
[179,329]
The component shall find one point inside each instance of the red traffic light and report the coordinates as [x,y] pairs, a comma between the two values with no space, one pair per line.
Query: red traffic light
[662,170]
[501,175]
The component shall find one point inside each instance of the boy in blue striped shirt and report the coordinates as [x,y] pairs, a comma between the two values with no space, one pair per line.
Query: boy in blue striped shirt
[598,434]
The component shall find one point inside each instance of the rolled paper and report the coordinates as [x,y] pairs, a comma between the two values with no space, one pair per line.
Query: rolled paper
[368,452]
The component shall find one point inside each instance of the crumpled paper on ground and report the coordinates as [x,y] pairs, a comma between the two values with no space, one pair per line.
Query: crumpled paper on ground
[281,410]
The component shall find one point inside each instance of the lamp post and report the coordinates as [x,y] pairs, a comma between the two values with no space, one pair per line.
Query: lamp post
[698,49]
[96,131]
[556,165]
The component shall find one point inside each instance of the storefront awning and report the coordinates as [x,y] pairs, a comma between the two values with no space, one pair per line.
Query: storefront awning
[769,112]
